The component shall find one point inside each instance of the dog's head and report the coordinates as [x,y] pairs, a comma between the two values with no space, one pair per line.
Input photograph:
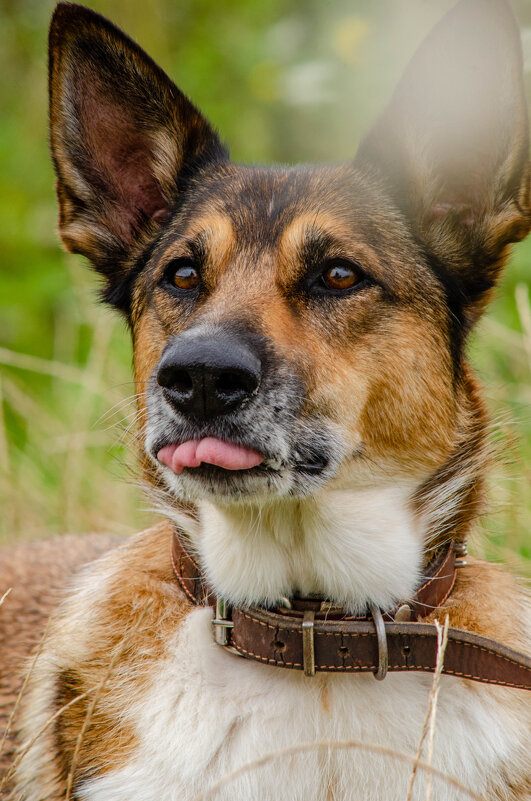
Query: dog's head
[296,329]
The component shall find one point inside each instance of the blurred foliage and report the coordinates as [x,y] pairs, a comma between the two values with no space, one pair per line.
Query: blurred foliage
[283,82]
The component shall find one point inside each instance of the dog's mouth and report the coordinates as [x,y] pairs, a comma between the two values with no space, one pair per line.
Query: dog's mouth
[210,451]
[212,455]
[205,465]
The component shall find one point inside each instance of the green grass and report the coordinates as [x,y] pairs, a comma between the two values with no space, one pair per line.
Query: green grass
[285,81]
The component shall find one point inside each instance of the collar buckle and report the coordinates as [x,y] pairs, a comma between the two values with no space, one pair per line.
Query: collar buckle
[222,623]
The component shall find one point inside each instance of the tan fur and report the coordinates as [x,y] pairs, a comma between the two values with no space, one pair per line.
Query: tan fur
[375,380]
[486,599]
[142,599]
[218,234]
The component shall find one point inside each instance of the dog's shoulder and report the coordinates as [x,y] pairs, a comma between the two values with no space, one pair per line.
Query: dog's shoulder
[488,599]
[113,622]
[123,602]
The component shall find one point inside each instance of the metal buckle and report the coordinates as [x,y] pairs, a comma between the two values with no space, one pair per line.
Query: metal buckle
[461,551]
[308,649]
[222,622]
[383,656]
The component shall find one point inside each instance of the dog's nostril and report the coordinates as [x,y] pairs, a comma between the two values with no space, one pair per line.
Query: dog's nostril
[230,384]
[172,378]
[182,382]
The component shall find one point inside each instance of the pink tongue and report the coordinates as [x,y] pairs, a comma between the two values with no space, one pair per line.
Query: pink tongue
[211,451]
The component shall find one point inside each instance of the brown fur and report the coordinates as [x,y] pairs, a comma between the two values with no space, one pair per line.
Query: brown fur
[147,600]
[485,600]
[424,217]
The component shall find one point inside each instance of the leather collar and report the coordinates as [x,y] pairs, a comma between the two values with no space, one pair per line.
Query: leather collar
[308,634]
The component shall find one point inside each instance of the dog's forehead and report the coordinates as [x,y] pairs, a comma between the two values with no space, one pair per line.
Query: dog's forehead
[262,204]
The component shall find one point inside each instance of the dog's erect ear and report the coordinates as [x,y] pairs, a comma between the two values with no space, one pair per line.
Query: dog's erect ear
[452,145]
[122,136]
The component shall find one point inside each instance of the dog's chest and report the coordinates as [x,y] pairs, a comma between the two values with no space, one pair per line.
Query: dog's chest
[207,713]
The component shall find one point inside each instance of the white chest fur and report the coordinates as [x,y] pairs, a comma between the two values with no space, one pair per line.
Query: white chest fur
[354,547]
[209,712]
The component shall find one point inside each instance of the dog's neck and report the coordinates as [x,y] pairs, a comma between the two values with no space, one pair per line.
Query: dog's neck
[354,548]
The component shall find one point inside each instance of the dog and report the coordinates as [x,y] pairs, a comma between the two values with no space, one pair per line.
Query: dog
[313,434]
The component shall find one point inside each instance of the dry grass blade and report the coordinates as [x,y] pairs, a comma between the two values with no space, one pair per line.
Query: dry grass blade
[24,684]
[512,340]
[327,745]
[9,510]
[432,702]
[35,364]
[101,686]
[75,466]
[4,596]
[442,642]
[523,305]
[4,448]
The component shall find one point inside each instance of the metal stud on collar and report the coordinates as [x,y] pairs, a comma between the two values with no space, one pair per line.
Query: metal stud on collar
[383,655]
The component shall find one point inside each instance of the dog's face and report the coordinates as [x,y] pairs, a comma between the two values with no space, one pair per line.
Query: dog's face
[295,328]
[290,313]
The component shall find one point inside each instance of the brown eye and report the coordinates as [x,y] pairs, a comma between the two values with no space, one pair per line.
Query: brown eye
[340,277]
[185,277]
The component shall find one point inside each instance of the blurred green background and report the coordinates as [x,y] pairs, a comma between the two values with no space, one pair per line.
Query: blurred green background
[284,82]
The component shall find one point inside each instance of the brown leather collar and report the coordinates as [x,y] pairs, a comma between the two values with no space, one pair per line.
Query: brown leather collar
[308,634]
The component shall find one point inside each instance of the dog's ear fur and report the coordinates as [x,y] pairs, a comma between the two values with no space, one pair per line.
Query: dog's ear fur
[123,138]
[452,146]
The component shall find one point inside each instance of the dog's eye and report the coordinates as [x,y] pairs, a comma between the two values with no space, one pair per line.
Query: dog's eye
[337,276]
[183,275]
[186,277]
[340,277]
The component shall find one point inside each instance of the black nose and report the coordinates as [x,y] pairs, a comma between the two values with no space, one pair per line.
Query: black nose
[204,376]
